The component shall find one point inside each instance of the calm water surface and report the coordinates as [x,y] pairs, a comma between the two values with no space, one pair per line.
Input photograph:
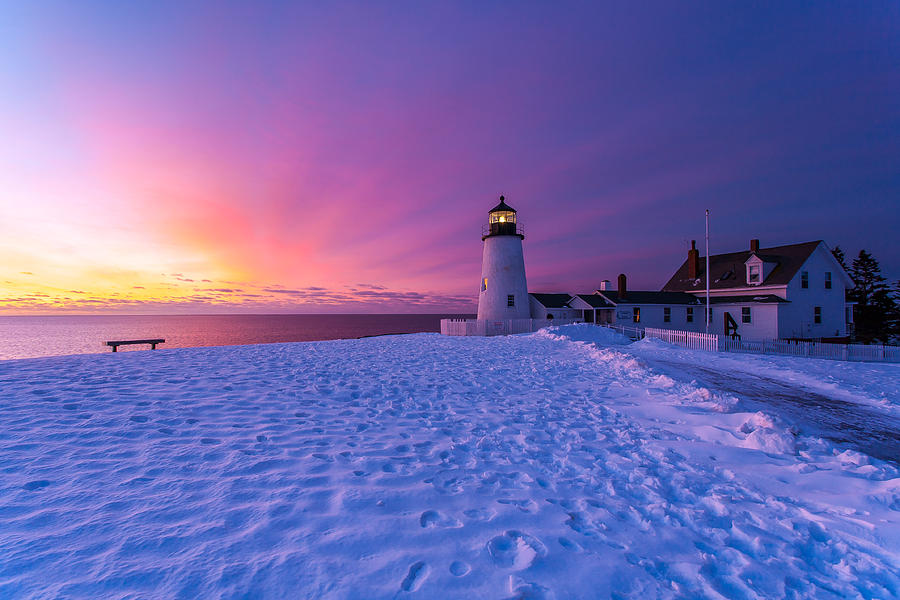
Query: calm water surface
[27,337]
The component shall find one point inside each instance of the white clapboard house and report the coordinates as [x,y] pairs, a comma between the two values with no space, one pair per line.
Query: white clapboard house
[796,291]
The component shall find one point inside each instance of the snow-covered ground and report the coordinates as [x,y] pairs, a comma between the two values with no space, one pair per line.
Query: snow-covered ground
[854,404]
[559,464]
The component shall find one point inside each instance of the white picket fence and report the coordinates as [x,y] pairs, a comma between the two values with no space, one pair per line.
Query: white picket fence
[849,352]
[634,333]
[485,327]
[718,343]
[689,339]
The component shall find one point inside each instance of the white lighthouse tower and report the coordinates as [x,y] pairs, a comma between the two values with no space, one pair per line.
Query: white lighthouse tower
[504,293]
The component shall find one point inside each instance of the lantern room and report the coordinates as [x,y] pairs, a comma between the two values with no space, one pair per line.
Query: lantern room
[502,221]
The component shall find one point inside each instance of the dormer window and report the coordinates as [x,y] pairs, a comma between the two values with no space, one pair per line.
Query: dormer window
[753,274]
[759,268]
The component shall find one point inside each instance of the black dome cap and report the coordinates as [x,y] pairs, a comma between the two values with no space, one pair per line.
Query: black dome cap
[503,206]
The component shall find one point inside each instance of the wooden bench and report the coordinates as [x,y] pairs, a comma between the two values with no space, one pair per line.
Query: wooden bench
[115,345]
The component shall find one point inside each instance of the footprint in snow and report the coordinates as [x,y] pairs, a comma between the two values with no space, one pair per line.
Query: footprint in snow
[416,576]
[479,514]
[515,550]
[532,591]
[569,544]
[432,518]
[140,418]
[526,505]
[459,568]
[36,485]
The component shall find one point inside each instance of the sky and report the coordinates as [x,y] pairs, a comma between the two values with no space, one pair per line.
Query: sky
[171,157]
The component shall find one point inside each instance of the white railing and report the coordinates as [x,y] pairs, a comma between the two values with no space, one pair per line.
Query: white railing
[689,339]
[719,343]
[850,352]
[483,327]
[634,333]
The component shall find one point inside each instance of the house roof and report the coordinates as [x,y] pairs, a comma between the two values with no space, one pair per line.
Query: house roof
[761,299]
[502,206]
[632,297]
[596,300]
[727,270]
[552,300]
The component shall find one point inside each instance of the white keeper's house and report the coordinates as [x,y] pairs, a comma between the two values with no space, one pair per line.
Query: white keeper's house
[797,291]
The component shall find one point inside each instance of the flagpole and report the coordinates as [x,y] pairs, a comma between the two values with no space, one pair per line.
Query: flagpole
[707,316]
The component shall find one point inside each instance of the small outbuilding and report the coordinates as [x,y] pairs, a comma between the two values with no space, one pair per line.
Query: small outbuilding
[553,306]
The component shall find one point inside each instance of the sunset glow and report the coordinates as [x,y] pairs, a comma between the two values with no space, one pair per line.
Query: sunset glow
[160,158]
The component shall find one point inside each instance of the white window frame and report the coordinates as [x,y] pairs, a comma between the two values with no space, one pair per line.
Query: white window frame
[750,272]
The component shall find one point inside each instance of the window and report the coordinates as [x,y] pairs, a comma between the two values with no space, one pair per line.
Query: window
[484,284]
[667,315]
[827,280]
[745,314]
[510,300]
[636,314]
[690,314]
[804,279]
[502,216]
[817,314]
[753,274]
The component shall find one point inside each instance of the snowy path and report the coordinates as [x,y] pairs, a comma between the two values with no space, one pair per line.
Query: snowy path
[851,425]
[420,466]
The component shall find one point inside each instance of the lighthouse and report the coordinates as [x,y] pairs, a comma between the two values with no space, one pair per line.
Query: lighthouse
[504,293]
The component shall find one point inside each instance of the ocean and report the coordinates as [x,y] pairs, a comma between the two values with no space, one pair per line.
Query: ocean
[34,336]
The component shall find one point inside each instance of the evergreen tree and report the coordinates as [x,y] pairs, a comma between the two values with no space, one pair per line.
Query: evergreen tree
[876,310]
[839,256]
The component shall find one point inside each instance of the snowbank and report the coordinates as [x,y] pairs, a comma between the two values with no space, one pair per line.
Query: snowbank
[583,332]
[873,384]
[424,466]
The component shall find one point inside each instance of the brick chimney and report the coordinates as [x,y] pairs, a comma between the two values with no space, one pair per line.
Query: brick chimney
[693,261]
[754,245]
[622,289]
